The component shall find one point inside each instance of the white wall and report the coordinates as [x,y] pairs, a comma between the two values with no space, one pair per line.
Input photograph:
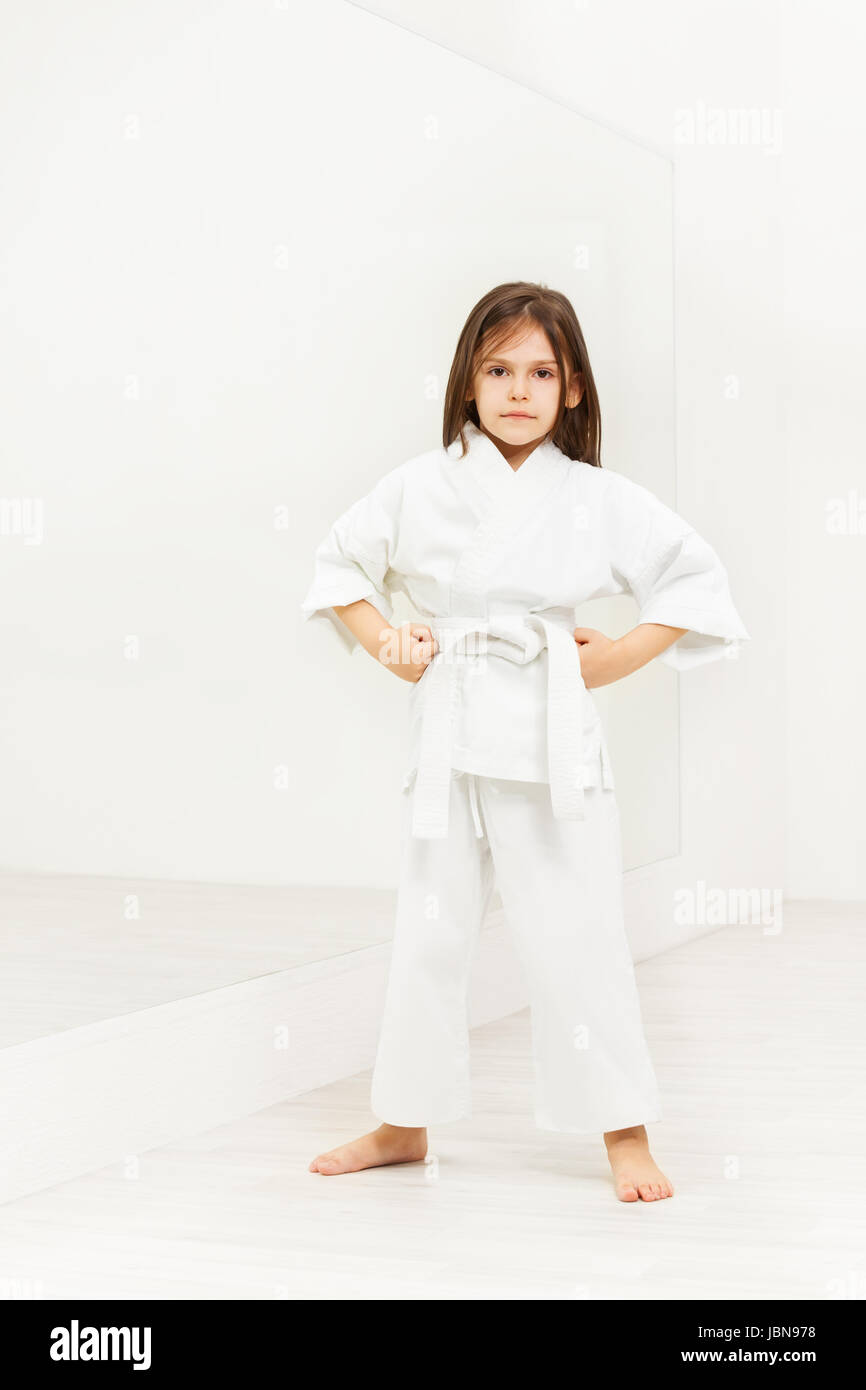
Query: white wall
[825,369]
[196,218]
[783,720]
[634,68]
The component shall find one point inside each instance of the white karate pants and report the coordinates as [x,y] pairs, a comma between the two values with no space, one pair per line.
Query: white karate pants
[561,888]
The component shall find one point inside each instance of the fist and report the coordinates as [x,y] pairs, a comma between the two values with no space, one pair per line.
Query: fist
[597,656]
[408,651]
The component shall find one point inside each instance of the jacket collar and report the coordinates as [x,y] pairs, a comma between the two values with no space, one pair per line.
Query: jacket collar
[497,493]
[493,473]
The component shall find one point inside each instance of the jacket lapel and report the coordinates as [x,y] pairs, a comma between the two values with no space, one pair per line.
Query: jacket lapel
[503,500]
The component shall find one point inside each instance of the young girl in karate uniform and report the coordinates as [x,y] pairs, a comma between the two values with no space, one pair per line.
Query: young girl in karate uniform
[495,538]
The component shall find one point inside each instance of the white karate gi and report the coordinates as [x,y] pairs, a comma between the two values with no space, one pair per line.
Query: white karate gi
[495,561]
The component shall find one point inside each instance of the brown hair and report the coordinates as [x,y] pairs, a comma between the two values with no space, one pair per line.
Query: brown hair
[577,430]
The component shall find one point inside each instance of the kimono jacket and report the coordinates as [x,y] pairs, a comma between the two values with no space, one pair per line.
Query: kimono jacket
[495,560]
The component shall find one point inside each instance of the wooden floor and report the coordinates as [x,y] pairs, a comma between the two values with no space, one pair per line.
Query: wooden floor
[761,1054]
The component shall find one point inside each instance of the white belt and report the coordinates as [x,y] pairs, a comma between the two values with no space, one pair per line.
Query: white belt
[519,637]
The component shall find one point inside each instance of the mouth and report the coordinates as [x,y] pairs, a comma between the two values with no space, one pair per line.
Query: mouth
[517,415]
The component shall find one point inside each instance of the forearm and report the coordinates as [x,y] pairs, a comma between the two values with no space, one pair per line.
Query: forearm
[639,646]
[406,651]
[366,623]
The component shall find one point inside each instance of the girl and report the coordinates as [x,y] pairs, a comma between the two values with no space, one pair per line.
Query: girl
[495,538]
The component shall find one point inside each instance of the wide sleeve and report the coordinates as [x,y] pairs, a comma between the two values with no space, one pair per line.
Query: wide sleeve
[674,575]
[353,560]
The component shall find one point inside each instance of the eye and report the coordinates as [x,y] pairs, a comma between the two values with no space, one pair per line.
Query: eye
[544,372]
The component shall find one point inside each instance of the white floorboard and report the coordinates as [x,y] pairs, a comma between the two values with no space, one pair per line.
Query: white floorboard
[760,1050]
[71,956]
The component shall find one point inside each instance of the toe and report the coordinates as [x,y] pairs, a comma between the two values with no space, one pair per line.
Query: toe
[626,1191]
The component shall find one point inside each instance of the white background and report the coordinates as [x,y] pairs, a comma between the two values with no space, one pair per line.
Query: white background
[240,255]
[770,288]
[771,747]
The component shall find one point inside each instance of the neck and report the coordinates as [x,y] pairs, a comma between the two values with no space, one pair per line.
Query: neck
[514,454]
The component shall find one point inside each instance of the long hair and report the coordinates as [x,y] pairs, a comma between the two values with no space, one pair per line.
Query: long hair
[577,430]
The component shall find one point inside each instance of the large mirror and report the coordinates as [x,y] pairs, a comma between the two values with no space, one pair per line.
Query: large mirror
[240,251]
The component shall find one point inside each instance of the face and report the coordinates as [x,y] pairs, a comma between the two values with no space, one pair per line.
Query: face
[516,391]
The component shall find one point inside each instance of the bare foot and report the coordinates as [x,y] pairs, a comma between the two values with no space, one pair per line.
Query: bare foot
[636,1174]
[387,1144]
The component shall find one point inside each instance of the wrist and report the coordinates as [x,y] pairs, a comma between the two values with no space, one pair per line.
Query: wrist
[382,643]
[625,660]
